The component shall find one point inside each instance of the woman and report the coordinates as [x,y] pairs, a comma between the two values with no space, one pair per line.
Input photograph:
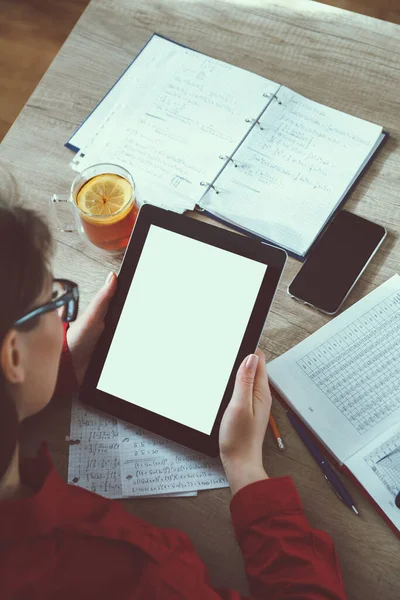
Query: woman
[61,541]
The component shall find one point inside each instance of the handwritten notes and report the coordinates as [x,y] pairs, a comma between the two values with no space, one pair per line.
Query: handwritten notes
[118,460]
[292,171]
[173,120]
[153,465]
[94,458]
[182,122]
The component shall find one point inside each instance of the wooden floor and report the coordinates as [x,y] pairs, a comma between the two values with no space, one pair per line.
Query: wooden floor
[32,31]
[31,34]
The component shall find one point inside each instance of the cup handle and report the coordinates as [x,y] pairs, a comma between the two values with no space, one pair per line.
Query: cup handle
[62,212]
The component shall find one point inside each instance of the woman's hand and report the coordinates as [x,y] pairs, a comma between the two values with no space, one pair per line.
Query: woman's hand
[244,424]
[83,334]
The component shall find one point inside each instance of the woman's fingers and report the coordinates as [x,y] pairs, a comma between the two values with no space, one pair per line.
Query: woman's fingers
[262,398]
[242,396]
[97,308]
[82,335]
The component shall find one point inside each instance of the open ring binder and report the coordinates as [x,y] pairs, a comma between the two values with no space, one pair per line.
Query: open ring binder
[274,96]
[229,158]
[210,185]
[329,188]
[256,121]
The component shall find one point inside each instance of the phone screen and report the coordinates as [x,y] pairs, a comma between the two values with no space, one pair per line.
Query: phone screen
[336,261]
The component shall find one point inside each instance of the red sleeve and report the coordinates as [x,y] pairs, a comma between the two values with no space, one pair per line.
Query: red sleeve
[284,557]
[66,380]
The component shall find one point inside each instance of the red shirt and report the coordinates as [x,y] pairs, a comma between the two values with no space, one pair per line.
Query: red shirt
[66,543]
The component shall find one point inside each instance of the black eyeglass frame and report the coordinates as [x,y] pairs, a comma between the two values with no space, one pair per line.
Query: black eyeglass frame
[70,299]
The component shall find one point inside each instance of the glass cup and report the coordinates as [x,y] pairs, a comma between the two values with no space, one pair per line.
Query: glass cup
[104,208]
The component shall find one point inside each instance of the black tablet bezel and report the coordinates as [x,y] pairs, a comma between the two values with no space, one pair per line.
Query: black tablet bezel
[272,256]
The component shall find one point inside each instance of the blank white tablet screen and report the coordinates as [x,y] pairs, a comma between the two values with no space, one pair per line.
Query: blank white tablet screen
[181,327]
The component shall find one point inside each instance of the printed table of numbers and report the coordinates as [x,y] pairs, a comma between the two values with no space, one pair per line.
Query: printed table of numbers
[358,368]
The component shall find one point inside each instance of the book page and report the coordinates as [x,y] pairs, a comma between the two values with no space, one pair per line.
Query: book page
[377,468]
[292,172]
[118,460]
[344,380]
[175,128]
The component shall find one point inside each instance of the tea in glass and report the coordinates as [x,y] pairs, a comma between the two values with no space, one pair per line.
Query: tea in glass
[107,210]
[104,207]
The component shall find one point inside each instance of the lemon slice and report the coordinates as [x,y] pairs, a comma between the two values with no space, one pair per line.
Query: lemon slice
[104,195]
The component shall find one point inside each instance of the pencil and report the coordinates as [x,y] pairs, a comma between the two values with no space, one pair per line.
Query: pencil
[276,432]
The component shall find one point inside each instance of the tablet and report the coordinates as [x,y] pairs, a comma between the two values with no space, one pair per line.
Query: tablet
[191,303]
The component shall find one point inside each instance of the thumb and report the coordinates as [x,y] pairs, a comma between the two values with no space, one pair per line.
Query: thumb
[98,306]
[243,391]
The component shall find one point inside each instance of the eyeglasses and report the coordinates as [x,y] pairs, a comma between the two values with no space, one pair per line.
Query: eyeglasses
[65,299]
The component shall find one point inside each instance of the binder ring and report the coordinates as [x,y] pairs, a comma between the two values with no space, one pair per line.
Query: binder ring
[229,158]
[256,121]
[269,94]
[207,184]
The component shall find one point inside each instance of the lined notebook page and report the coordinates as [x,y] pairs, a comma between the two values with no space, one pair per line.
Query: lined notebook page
[344,380]
[172,120]
[117,460]
[292,174]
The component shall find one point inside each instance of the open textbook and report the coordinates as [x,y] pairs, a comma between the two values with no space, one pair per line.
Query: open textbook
[198,133]
[344,382]
[118,460]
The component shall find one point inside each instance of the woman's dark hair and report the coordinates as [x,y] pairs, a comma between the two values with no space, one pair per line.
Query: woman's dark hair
[25,253]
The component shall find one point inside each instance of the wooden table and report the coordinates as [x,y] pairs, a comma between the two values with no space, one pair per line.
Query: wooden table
[347,61]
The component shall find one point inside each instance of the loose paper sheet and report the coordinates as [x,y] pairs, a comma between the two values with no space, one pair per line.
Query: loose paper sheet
[118,460]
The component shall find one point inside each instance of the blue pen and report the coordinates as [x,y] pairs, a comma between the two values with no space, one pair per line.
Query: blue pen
[327,470]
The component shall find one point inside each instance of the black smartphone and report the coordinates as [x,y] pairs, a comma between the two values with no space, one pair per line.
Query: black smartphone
[336,262]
